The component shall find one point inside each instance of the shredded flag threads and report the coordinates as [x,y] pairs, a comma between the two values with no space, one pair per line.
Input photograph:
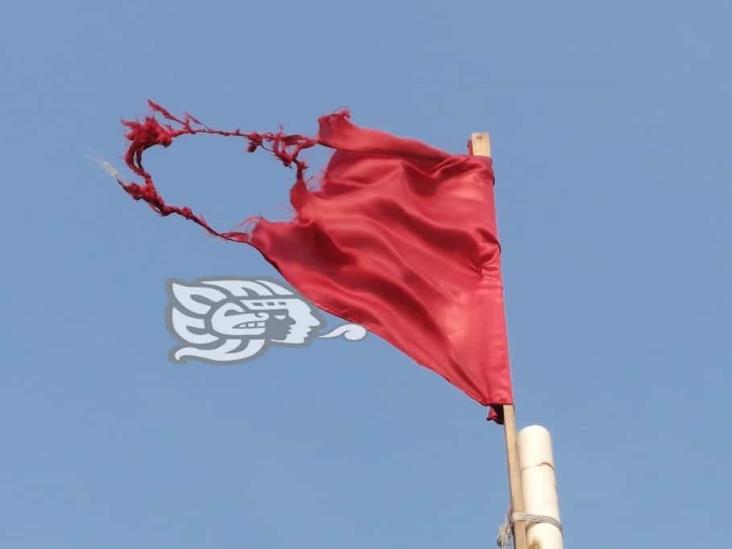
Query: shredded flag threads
[150,132]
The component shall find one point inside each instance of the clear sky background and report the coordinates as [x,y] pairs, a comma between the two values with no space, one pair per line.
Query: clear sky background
[611,127]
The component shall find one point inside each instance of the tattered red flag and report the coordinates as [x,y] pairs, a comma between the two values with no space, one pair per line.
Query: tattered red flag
[399,237]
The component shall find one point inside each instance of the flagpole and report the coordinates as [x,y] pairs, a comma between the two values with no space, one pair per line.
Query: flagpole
[480,145]
[514,474]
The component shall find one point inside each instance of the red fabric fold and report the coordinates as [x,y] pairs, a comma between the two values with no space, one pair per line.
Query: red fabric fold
[399,237]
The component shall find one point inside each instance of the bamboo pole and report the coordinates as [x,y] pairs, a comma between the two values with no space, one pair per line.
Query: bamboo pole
[480,145]
[514,474]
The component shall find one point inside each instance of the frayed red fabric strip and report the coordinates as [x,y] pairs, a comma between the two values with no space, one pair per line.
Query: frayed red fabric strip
[151,132]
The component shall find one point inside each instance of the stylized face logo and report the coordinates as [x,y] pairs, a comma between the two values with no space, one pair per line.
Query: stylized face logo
[228,320]
[231,320]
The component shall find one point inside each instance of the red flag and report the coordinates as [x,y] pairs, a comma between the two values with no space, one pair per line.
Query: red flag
[399,237]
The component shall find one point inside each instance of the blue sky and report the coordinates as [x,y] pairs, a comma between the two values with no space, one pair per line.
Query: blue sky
[611,133]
